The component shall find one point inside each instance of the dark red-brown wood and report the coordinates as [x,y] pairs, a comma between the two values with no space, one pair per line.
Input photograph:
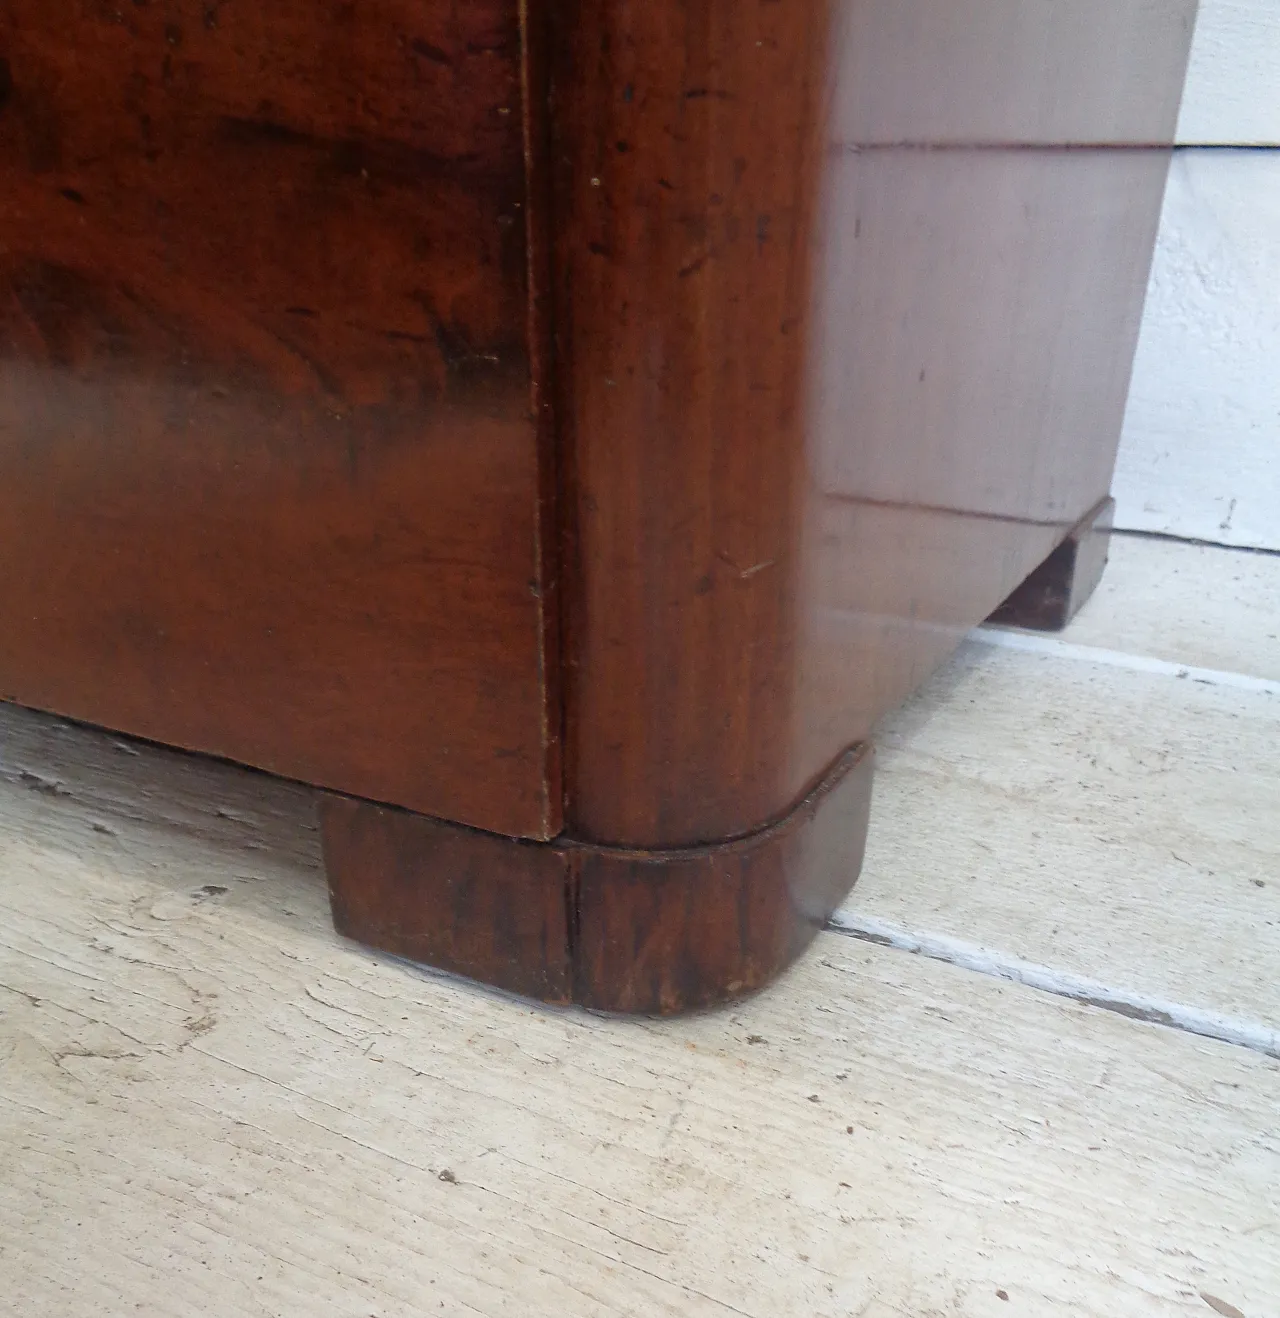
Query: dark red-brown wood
[651,932]
[849,297]
[394,394]
[669,931]
[1060,587]
[270,478]
[488,907]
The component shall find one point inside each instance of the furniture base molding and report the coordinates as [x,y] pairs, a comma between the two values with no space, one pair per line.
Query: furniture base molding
[1060,587]
[635,931]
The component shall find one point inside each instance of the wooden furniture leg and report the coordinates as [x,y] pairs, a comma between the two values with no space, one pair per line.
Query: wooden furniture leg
[559,430]
[631,930]
[1060,587]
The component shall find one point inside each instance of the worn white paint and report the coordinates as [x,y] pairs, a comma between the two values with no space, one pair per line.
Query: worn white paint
[1103,816]
[1233,81]
[1200,455]
[1192,605]
[209,1104]
[1036,643]
[1062,983]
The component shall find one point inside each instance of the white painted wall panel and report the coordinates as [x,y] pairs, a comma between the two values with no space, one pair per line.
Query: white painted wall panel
[1200,455]
[1233,83]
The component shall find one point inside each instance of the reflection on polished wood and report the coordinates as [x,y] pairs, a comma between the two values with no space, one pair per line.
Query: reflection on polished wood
[609,928]
[267,465]
[1037,72]
[826,402]
[392,393]
[976,316]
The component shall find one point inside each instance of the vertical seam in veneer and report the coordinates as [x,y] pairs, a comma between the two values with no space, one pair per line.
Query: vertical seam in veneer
[535,91]
[573,918]
[561,544]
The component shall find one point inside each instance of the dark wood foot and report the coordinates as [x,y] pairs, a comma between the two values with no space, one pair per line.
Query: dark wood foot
[654,932]
[1057,590]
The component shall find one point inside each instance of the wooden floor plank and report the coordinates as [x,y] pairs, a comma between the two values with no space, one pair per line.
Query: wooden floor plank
[1190,604]
[210,1104]
[1118,824]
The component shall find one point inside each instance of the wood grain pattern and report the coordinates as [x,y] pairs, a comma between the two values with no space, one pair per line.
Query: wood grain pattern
[487,907]
[668,932]
[381,386]
[688,153]
[822,391]
[270,481]
[977,319]
[655,932]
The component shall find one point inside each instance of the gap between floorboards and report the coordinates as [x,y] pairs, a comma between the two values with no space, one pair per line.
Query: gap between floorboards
[1171,538]
[980,960]
[1007,638]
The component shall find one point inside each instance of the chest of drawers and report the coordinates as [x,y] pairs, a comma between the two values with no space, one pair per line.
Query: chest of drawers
[559,431]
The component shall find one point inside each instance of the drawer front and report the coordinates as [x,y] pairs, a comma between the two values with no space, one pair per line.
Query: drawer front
[269,470]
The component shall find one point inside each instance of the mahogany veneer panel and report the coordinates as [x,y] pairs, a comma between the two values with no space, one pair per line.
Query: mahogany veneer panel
[393,392]
[269,471]
[830,388]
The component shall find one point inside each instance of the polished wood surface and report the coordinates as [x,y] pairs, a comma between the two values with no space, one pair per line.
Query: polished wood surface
[490,908]
[975,324]
[1042,72]
[846,319]
[667,932]
[688,150]
[577,421]
[270,481]
[653,932]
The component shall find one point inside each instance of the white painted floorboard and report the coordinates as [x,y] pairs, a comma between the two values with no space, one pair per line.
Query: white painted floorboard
[1121,825]
[1187,604]
[1116,822]
[210,1105]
